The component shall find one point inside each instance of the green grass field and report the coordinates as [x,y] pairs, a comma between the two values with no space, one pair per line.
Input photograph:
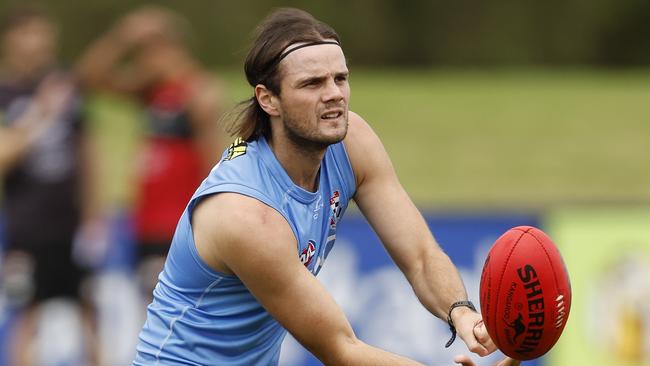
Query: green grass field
[476,139]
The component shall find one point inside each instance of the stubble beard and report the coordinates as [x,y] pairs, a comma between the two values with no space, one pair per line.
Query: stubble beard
[309,141]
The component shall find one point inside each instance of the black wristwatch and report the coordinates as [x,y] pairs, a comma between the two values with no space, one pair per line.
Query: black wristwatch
[452,328]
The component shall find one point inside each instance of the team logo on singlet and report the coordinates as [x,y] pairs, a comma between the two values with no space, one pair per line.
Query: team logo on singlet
[335,207]
[237,148]
[308,253]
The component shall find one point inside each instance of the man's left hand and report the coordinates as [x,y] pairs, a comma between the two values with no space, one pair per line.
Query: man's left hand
[466,361]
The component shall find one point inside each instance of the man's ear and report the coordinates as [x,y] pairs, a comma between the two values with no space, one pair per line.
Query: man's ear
[267,100]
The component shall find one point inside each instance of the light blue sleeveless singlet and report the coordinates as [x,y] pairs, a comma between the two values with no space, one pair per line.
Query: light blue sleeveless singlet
[202,317]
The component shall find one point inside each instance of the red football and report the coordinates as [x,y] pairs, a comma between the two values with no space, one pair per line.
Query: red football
[525,293]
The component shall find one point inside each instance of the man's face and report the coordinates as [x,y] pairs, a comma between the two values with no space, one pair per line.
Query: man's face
[315,95]
[29,47]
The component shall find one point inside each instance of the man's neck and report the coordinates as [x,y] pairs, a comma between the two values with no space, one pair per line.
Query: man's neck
[301,164]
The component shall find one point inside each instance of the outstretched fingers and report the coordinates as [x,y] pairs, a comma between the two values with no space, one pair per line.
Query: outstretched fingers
[464,360]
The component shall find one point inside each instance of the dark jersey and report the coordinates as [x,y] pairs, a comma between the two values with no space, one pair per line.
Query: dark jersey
[167,112]
[41,196]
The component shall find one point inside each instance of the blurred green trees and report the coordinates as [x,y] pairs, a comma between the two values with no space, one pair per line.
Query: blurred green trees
[410,33]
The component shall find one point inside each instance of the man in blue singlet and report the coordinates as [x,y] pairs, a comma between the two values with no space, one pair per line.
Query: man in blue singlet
[241,269]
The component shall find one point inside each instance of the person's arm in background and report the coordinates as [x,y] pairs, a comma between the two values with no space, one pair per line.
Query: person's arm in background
[15,141]
[205,108]
[407,238]
[101,66]
[91,242]
[239,235]
[52,96]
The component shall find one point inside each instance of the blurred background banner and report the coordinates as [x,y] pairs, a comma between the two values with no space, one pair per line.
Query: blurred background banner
[380,303]
[607,253]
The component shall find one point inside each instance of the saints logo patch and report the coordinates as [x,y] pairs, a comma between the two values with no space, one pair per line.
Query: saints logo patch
[237,148]
[335,207]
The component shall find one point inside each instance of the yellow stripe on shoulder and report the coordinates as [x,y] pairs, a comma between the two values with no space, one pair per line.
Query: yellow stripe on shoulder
[237,148]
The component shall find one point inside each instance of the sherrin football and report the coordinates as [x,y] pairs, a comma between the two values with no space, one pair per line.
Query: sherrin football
[525,293]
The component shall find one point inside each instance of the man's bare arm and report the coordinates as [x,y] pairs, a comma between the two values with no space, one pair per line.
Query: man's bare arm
[240,235]
[406,236]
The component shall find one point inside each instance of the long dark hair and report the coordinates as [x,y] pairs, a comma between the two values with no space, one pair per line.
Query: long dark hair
[281,28]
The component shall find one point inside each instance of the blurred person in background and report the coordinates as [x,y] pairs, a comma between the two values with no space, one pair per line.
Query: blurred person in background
[146,55]
[49,190]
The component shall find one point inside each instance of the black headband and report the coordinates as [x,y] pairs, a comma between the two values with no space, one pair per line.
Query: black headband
[285,53]
[315,43]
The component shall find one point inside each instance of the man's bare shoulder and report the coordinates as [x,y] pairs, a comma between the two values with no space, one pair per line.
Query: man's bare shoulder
[357,127]
[364,147]
[231,213]
[227,226]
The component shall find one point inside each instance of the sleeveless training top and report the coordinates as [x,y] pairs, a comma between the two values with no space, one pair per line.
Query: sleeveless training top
[203,317]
